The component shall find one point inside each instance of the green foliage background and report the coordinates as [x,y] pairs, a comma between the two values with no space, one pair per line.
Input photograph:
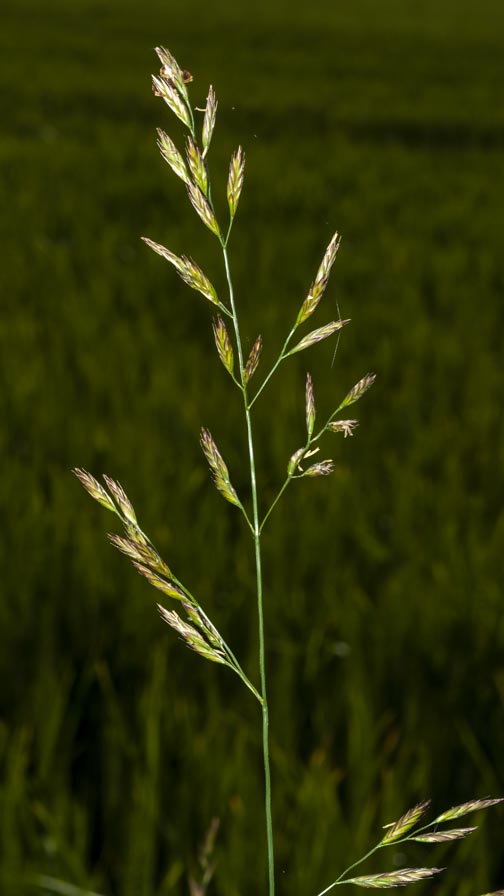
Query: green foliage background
[384,583]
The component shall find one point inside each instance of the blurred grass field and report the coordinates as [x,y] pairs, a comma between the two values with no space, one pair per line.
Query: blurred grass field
[384,609]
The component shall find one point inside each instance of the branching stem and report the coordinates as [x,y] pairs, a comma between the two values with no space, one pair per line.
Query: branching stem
[260,614]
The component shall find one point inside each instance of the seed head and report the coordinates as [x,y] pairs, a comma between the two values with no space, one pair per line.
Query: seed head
[253,360]
[223,343]
[197,166]
[121,499]
[209,120]
[167,90]
[171,70]
[171,155]
[318,286]
[358,390]
[310,405]
[218,468]
[394,878]
[318,335]
[345,426]
[94,489]
[323,468]
[163,585]
[202,208]
[235,180]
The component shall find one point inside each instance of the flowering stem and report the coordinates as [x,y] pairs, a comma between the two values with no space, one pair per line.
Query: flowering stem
[260,614]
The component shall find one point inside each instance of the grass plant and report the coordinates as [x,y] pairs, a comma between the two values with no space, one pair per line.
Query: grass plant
[190,620]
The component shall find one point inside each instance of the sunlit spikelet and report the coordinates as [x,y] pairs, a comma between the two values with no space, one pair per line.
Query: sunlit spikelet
[358,390]
[202,208]
[345,426]
[395,878]
[318,335]
[318,286]
[169,93]
[197,166]
[94,489]
[171,70]
[323,468]
[167,587]
[209,120]
[235,180]
[123,502]
[218,468]
[466,808]
[406,822]
[223,344]
[171,155]
[253,360]
[310,405]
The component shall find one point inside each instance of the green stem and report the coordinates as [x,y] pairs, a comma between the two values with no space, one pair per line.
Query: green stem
[277,363]
[339,880]
[257,550]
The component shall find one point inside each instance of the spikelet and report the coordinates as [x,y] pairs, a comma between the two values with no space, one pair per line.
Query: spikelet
[235,180]
[169,93]
[318,286]
[405,822]
[253,360]
[142,552]
[318,335]
[395,878]
[295,461]
[197,166]
[171,155]
[345,426]
[188,270]
[123,502]
[218,468]
[170,69]
[466,808]
[223,344]
[191,635]
[323,468]
[209,120]
[202,208]
[94,489]
[310,405]
[444,836]
[358,390]
[168,588]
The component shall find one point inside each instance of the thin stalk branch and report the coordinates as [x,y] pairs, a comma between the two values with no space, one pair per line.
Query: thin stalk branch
[277,363]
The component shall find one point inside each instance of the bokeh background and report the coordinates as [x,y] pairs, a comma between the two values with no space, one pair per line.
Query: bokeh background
[385,610]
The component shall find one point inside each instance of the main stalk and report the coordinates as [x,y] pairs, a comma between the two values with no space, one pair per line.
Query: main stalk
[260,613]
